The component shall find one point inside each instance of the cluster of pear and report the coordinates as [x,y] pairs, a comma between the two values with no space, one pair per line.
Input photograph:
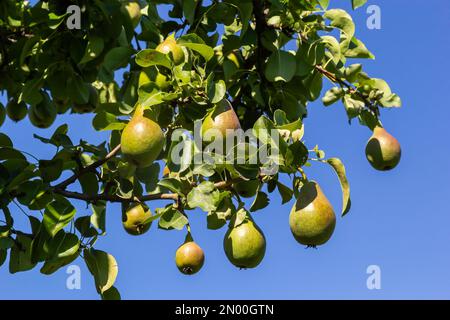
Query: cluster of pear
[312,219]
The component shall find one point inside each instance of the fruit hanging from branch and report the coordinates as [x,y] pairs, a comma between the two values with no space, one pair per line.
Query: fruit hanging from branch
[166,89]
[383,150]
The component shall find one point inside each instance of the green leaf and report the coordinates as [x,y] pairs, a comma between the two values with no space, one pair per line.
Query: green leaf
[103,267]
[84,227]
[189,7]
[117,58]
[20,255]
[285,192]
[324,4]
[281,66]
[173,185]
[98,217]
[333,95]
[357,49]
[339,168]
[151,57]
[353,106]
[3,255]
[342,20]
[218,218]
[195,43]
[62,250]
[358,3]
[50,169]
[203,196]
[93,49]
[89,183]
[216,90]
[104,121]
[171,218]
[261,201]
[57,215]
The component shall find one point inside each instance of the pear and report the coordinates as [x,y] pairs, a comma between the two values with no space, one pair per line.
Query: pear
[312,219]
[16,111]
[134,11]
[222,121]
[142,140]
[245,245]
[43,114]
[246,189]
[382,150]
[189,258]
[170,46]
[90,106]
[62,105]
[2,114]
[134,219]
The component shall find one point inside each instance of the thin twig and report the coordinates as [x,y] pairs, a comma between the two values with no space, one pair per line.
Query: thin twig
[63,185]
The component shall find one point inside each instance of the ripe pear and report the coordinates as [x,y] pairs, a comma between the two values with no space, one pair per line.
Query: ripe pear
[382,150]
[43,114]
[134,11]
[16,111]
[2,114]
[245,245]
[246,189]
[170,46]
[142,140]
[221,121]
[189,258]
[90,106]
[312,219]
[134,219]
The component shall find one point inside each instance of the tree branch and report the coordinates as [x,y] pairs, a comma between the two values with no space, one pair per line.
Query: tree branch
[150,197]
[350,87]
[63,185]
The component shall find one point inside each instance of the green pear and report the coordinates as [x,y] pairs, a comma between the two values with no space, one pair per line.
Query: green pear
[246,189]
[16,111]
[134,11]
[382,150]
[43,114]
[312,219]
[189,258]
[142,140]
[221,122]
[2,114]
[134,219]
[170,46]
[89,106]
[62,104]
[245,245]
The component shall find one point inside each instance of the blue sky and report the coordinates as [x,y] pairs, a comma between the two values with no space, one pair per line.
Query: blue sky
[399,219]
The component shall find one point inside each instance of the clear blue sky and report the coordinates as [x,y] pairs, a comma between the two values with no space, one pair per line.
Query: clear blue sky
[399,220]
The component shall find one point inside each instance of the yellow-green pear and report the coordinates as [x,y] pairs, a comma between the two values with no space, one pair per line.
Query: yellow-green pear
[43,114]
[312,219]
[89,106]
[135,218]
[382,150]
[16,111]
[142,139]
[134,11]
[170,46]
[245,245]
[222,121]
[189,258]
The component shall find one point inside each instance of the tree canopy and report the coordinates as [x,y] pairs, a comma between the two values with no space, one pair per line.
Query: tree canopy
[206,59]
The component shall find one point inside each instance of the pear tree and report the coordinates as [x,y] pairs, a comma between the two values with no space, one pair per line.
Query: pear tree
[208,70]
